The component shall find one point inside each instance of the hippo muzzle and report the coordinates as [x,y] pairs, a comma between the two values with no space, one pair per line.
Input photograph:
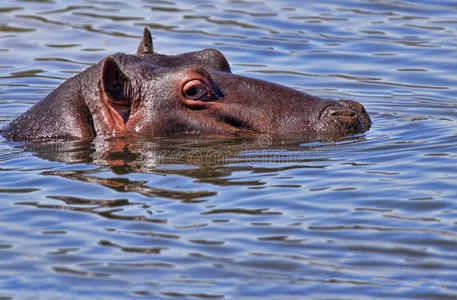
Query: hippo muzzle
[342,117]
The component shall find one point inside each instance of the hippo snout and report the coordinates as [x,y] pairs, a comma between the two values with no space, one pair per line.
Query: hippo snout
[344,117]
[359,109]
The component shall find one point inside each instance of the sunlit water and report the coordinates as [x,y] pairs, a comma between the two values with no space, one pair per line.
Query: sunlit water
[367,217]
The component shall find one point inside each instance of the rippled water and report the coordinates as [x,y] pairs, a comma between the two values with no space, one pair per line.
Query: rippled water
[367,217]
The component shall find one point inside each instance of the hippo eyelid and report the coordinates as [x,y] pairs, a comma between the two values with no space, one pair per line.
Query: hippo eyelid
[197,90]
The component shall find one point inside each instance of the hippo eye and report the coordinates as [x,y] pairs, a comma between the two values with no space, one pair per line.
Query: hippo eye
[194,93]
[196,90]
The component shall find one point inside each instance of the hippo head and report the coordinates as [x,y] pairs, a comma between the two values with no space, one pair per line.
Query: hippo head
[142,94]
[153,94]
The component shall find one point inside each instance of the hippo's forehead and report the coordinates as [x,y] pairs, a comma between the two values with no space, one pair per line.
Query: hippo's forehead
[210,59]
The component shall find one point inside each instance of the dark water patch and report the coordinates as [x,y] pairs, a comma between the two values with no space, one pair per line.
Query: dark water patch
[23,190]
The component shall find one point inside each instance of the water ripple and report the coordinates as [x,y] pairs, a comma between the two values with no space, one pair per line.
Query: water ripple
[372,216]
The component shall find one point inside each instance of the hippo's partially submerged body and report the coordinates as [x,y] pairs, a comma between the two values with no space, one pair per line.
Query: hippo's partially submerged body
[152,94]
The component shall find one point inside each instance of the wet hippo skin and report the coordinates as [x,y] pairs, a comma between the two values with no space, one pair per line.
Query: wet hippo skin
[193,93]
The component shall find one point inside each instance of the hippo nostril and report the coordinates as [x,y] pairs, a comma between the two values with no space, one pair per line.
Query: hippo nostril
[341,119]
[343,113]
[345,116]
[336,112]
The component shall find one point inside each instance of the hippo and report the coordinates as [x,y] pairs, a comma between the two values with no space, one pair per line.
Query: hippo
[152,94]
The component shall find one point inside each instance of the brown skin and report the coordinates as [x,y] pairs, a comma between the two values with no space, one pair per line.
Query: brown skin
[210,59]
[152,95]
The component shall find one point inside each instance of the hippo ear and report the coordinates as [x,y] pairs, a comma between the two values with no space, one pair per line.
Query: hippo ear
[145,46]
[113,80]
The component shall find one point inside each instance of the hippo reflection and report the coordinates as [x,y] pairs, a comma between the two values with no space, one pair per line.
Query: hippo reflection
[193,93]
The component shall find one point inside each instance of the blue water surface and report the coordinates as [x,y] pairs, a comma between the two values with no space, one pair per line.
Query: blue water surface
[371,216]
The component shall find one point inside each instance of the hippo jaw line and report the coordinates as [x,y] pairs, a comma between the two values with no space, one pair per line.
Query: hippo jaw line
[230,118]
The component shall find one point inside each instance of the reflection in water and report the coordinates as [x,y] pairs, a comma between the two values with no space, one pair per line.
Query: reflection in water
[125,185]
[211,160]
[135,153]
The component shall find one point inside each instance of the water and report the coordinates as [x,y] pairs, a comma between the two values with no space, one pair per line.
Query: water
[372,216]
